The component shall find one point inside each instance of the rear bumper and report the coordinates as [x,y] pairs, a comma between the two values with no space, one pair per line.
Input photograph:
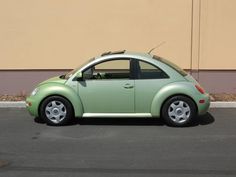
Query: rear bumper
[203,107]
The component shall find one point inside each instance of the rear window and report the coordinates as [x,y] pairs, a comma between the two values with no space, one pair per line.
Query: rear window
[172,65]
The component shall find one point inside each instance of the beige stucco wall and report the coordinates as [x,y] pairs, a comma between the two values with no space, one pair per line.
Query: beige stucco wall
[218,34]
[61,34]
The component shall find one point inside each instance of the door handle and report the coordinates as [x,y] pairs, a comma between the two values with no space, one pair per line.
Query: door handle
[128,86]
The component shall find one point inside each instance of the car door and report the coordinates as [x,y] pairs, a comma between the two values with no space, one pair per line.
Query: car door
[149,80]
[107,87]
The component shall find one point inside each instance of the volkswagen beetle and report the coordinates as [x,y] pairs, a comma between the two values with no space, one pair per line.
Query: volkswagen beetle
[120,84]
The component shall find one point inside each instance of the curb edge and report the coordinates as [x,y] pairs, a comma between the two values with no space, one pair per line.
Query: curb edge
[21,104]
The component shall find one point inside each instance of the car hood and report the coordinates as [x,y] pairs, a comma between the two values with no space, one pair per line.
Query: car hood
[56,79]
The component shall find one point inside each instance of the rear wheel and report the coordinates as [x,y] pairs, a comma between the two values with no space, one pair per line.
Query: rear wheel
[56,110]
[179,111]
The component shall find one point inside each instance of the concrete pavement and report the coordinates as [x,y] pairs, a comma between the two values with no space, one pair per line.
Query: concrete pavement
[117,147]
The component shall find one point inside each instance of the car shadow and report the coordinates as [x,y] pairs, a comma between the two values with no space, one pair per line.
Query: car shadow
[38,120]
[121,121]
[202,120]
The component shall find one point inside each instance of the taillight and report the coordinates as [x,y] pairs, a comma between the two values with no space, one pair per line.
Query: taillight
[201,101]
[200,89]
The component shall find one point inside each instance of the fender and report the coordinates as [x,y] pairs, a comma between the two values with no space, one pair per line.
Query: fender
[181,88]
[50,89]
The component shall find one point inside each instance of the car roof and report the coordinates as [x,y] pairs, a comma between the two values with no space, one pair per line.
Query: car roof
[120,54]
[138,54]
[146,57]
[126,54]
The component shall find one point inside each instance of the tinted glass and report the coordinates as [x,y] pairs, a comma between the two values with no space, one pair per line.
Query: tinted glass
[113,69]
[172,65]
[149,71]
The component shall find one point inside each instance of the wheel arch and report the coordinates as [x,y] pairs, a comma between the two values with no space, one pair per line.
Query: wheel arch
[63,91]
[171,90]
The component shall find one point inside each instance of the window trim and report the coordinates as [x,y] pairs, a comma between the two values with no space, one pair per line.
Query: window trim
[131,69]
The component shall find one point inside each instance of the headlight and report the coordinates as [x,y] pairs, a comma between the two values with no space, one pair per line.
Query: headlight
[34,91]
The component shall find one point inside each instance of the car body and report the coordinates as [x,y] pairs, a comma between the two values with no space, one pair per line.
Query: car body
[120,84]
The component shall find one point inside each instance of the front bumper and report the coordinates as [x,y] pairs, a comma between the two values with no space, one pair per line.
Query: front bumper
[32,106]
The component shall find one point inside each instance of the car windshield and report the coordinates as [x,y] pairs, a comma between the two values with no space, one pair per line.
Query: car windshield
[172,65]
[72,72]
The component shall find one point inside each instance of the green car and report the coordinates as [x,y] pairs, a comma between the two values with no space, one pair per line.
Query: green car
[121,84]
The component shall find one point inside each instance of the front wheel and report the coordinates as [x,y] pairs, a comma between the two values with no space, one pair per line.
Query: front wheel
[56,110]
[179,111]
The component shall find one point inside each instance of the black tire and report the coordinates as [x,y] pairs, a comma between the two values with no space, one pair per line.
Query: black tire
[175,111]
[62,109]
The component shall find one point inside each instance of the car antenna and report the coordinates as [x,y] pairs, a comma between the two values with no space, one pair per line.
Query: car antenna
[156,47]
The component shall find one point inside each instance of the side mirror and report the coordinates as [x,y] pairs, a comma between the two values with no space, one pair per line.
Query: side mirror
[79,76]
[88,74]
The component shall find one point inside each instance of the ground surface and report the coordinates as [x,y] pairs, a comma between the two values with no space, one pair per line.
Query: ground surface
[214,97]
[223,97]
[119,147]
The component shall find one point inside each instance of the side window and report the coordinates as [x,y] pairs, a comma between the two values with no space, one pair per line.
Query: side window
[149,71]
[112,69]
